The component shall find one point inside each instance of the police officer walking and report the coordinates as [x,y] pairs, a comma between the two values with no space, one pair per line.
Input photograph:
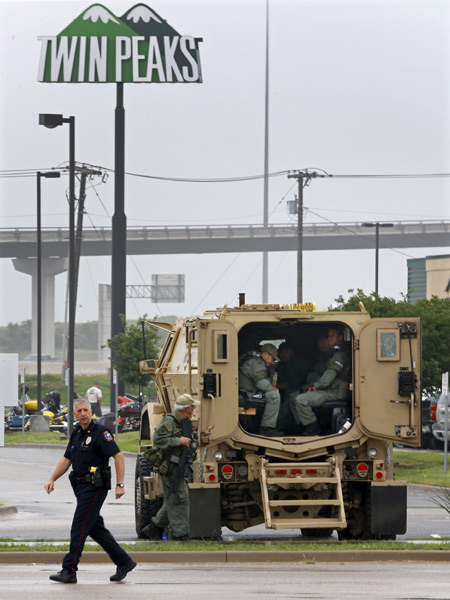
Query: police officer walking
[332,384]
[256,374]
[173,437]
[88,451]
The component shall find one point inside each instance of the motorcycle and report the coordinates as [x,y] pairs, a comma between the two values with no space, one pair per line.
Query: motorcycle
[128,414]
[13,421]
[50,407]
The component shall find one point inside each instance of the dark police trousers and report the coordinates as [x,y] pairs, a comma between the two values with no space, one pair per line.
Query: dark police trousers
[87,521]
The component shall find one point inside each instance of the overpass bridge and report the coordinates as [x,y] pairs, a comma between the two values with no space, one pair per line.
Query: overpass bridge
[193,239]
[20,245]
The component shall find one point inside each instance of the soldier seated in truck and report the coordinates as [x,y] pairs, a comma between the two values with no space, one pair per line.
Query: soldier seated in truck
[254,376]
[292,370]
[333,384]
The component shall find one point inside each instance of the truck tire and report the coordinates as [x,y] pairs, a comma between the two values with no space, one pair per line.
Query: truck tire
[144,509]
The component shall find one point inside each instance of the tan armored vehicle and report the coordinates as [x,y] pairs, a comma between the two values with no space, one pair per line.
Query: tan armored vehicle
[342,478]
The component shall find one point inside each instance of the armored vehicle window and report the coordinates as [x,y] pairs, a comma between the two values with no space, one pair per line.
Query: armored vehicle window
[165,351]
[220,346]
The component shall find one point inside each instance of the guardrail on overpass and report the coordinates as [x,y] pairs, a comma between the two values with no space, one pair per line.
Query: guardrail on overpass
[21,242]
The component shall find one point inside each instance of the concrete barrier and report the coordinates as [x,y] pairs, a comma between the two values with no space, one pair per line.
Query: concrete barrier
[39,423]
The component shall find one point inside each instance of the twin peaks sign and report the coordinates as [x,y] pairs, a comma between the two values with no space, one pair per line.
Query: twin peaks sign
[138,47]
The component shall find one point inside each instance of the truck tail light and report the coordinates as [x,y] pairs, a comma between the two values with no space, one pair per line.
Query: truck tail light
[433,412]
[362,469]
[227,469]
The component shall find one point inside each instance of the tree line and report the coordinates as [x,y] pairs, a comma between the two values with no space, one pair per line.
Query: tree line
[16,337]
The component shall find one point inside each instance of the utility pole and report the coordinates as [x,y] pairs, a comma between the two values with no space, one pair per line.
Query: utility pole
[265,266]
[84,172]
[303,178]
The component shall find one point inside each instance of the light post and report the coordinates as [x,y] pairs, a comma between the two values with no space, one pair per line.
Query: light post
[51,121]
[377,226]
[39,175]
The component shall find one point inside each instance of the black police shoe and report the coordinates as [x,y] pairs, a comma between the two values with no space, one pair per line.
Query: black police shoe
[181,538]
[64,576]
[152,532]
[270,432]
[122,570]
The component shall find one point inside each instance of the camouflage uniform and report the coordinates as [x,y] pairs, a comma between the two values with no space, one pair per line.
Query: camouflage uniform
[333,384]
[254,377]
[175,509]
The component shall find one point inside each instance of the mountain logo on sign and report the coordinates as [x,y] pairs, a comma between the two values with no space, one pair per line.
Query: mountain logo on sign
[138,47]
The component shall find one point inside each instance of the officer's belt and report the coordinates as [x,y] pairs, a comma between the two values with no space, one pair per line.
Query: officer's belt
[85,479]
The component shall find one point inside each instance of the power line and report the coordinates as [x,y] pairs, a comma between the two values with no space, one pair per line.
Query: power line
[313,173]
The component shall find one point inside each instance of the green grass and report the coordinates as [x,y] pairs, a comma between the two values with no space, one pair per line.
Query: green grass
[210,546]
[425,468]
[128,442]
[82,383]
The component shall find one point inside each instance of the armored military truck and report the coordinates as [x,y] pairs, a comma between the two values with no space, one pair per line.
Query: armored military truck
[342,478]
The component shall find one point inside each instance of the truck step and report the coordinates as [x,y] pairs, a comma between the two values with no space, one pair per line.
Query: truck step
[302,495]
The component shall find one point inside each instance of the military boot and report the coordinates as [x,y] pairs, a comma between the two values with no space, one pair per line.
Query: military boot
[152,532]
[311,429]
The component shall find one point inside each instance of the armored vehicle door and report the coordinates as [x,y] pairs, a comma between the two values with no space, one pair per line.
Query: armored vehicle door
[387,381]
[218,376]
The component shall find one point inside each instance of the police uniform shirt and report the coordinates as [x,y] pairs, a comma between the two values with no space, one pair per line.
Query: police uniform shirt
[91,447]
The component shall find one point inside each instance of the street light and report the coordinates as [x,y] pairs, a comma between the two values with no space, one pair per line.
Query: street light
[51,121]
[39,175]
[377,226]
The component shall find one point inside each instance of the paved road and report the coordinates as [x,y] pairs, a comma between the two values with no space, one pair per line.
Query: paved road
[352,581]
[24,470]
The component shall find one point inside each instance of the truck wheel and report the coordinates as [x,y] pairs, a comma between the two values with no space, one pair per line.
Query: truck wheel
[144,509]
[316,531]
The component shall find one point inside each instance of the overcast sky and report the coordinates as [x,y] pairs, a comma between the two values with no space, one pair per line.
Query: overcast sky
[356,87]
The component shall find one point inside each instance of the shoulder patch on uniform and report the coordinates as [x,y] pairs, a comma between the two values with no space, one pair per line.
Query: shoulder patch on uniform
[168,427]
[108,437]
[339,364]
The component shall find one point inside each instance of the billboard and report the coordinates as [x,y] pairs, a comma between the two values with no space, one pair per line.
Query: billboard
[137,47]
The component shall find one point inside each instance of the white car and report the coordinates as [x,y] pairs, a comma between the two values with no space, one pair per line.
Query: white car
[439,426]
[33,358]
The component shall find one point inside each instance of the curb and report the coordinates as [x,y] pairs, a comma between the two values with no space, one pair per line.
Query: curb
[235,556]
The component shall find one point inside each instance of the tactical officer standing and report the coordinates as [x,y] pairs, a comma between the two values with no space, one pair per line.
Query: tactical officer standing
[256,375]
[333,384]
[88,451]
[173,437]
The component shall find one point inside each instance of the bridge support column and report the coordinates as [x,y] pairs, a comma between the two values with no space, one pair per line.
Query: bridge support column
[50,268]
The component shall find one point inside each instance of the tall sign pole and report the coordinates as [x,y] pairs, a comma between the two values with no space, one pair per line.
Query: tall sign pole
[119,238]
